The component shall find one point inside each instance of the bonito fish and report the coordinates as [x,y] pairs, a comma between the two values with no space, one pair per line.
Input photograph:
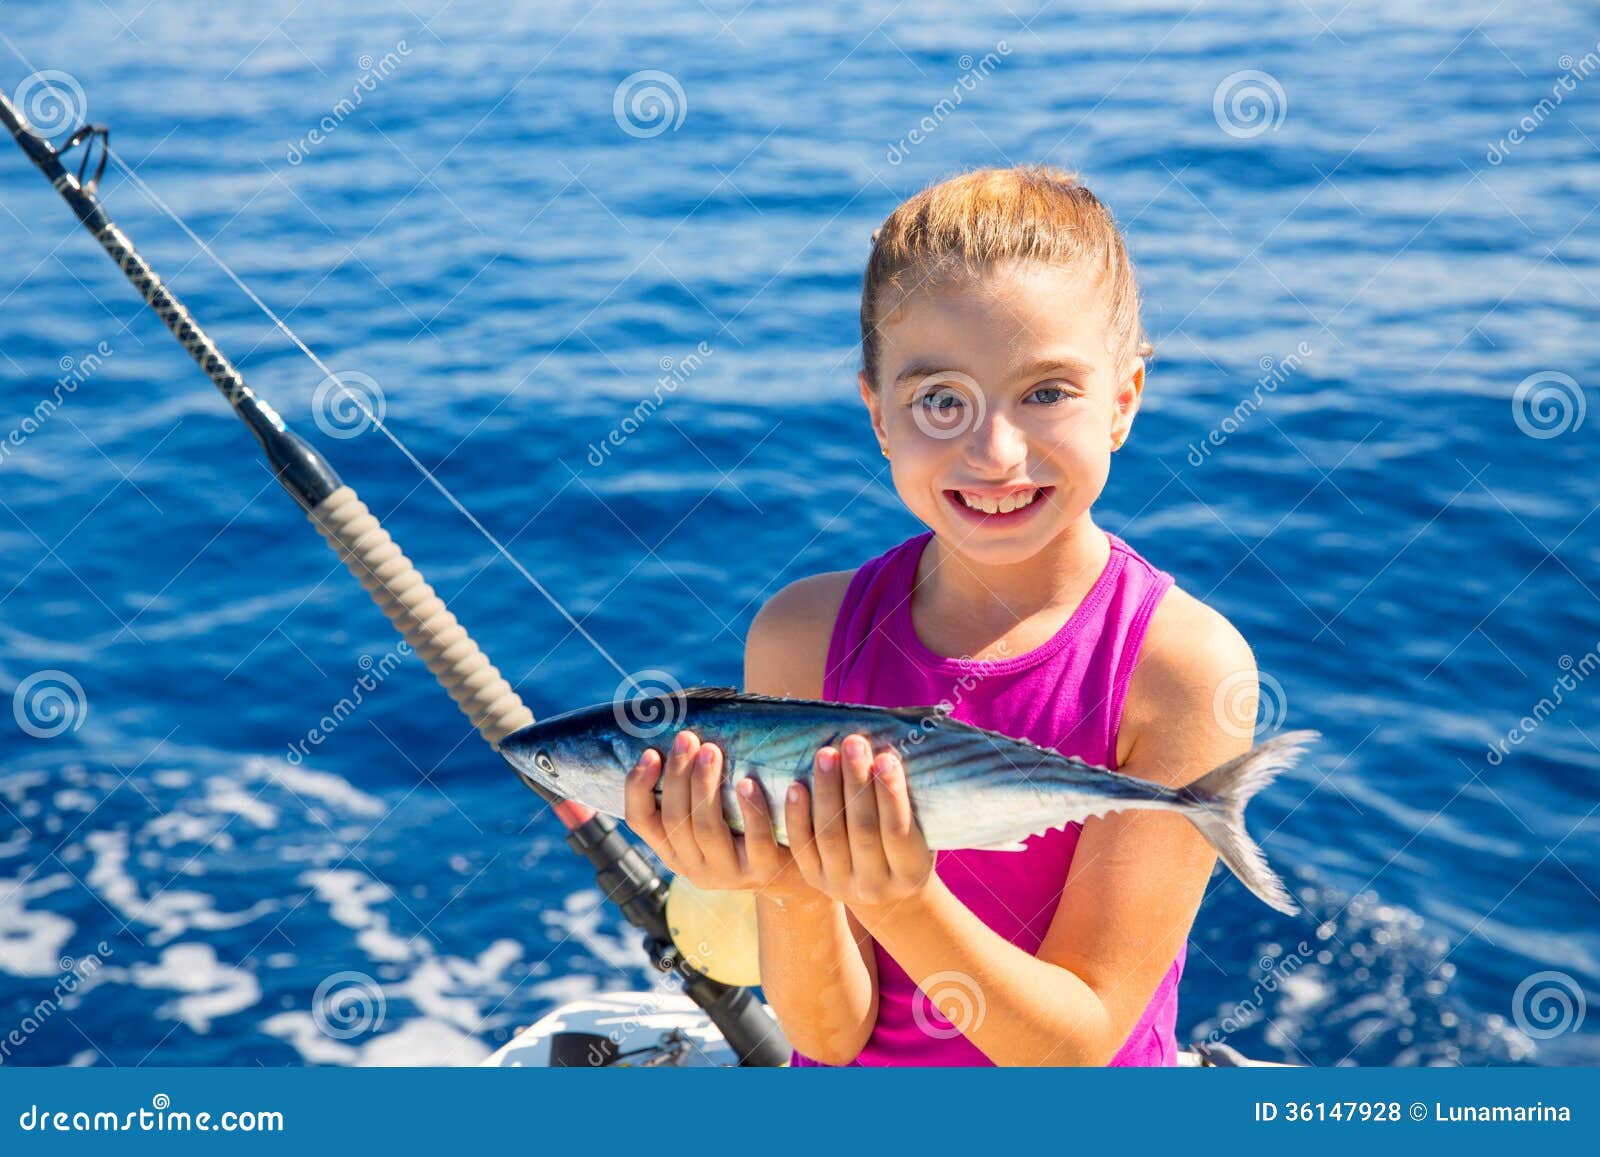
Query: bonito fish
[969,787]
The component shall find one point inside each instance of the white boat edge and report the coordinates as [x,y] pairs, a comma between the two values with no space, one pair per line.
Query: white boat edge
[667,1028]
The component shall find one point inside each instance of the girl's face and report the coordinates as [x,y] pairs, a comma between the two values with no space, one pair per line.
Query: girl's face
[1000,405]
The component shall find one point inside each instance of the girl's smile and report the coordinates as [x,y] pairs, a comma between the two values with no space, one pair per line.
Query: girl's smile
[1006,506]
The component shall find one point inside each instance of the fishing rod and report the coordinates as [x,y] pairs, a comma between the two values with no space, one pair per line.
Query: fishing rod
[411,605]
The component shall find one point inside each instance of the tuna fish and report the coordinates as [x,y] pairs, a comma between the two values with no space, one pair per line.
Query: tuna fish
[969,787]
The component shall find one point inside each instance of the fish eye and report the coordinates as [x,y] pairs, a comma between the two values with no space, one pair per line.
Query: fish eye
[544,763]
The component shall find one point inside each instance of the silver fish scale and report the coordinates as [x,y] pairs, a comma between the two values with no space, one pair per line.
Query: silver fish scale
[1026,785]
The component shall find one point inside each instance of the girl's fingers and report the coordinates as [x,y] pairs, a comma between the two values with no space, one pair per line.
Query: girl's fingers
[706,818]
[828,816]
[639,802]
[676,804]
[903,843]
[760,846]
[861,811]
[802,843]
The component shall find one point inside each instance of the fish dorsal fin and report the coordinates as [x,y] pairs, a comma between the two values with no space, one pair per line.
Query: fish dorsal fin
[715,693]
[707,694]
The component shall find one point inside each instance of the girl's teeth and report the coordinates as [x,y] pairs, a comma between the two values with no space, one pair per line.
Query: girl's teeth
[1002,506]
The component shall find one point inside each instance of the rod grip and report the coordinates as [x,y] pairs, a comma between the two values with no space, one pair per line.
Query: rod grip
[420,615]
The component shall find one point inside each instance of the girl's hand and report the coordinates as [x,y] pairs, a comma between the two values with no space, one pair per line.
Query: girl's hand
[856,840]
[690,834]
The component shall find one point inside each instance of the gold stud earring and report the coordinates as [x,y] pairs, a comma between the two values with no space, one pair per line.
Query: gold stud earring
[885,450]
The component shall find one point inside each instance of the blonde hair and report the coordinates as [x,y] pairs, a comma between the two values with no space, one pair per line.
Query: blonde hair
[972,222]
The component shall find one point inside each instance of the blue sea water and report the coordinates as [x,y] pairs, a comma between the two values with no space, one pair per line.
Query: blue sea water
[1363,440]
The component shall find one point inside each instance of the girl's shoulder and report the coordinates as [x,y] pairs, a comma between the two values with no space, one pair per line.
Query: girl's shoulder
[786,649]
[1192,662]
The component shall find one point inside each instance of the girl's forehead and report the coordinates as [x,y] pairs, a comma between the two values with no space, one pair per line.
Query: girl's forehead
[1013,312]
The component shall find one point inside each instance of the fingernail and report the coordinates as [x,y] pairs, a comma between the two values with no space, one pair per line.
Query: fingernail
[855,747]
[746,788]
[680,745]
[884,764]
[793,795]
[828,761]
[704,758]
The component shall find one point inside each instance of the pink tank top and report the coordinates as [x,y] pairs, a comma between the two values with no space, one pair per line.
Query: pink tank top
[1066,694]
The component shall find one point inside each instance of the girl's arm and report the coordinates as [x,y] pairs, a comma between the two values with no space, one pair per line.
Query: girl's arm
[1136,881]
[817,965]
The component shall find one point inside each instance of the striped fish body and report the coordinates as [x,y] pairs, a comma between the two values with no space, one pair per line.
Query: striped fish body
[969,787]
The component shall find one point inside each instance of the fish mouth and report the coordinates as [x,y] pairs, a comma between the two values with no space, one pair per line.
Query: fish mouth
[991,508]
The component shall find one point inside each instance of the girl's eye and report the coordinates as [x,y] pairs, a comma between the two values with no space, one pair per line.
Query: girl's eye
[940,399]
[1053,394]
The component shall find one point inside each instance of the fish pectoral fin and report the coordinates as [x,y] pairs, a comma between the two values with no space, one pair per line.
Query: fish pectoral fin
[1009,846]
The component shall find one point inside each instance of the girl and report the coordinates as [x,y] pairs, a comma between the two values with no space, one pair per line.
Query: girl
[1003,364]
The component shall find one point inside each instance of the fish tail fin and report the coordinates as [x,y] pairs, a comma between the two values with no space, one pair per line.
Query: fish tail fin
[1219,798]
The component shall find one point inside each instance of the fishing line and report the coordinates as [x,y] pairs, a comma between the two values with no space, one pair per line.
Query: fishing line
[389,577]
[378,423]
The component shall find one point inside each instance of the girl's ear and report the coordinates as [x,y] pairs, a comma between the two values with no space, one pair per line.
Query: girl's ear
[1126,402]
[874,404]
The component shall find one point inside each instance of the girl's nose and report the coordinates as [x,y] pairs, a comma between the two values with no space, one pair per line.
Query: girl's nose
[996,445]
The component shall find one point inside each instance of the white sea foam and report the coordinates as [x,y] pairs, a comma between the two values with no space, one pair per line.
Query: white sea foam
[210,989]
[31,940]
[170,911]
[351,897]
[228,797]
[330,789]
[416,1042]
